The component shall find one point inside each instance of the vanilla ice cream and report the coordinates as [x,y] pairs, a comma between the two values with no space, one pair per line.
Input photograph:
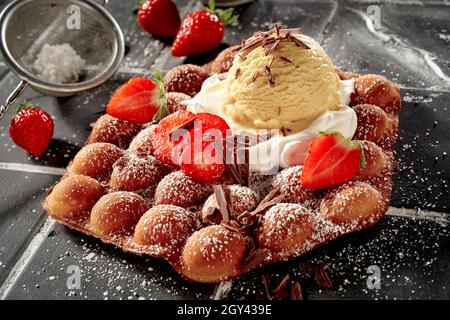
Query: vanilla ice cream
[299,97]
[286,87]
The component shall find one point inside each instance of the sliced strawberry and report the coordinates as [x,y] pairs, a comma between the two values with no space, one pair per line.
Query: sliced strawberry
[204,164]
[161,140]
[332,160]
[203,158]
[138,100]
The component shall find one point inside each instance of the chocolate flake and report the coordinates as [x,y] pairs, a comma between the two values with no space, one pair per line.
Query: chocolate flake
[256,258]
[282,291]
[210,214]
[268,73]
[248,218]
[286,59]
[296,291]
[318,272]
[188,125]
[299,43]
[222,200]
[271,46]
[271,39]
[238,72]
[266,283]
[271,62]
[255,76]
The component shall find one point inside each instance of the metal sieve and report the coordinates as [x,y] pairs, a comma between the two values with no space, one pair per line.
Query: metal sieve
[27,25]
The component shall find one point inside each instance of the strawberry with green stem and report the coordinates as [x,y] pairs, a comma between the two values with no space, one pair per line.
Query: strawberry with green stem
[202,31]
[159,17]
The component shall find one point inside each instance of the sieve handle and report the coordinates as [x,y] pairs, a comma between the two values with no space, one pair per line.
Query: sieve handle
[17,92]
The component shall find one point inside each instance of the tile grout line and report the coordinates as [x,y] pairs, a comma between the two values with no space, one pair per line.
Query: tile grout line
[330,19]
[441,218]
[26,257]
[23,167]
[385,37]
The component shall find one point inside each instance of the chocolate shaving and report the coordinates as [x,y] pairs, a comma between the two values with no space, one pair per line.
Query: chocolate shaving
[252,43]
[222,200]
[255,76]
[277,28]
[231,168]
[286,59]
[296,291]
[256,258]
[266,283]
[188,125]
[210,214]
[284,131]
[282,291]
[268,73]
[248,218]
[271,62]
[318,272]
[231,228]
[243,167]
[271,39]
[271,46]
[299,42]
[238,72]
[285,289]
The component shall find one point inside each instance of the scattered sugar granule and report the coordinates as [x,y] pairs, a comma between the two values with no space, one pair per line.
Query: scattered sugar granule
[59,64]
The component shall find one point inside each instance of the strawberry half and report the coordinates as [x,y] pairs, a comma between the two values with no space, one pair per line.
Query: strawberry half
[161,140]
[203,158]
[32,129]
[332,160]
[202,31]
[139,100]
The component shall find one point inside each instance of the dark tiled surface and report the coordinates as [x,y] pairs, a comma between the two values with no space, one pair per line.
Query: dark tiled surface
[408,47]
[412,257]
[106,273]
[21,214]
[411,47]
[422,152]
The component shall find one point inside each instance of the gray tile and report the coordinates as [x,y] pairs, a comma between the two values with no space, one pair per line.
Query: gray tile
[72,117]
[423,178]
[106,273]
[409,46]
[21,214]
[412,257]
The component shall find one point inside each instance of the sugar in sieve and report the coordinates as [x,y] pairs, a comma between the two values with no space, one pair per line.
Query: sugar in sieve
[27,25]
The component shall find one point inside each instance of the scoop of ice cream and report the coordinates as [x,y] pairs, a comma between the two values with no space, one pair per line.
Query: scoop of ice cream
[281,79]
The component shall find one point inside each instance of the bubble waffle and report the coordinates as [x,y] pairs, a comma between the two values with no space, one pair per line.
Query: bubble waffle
[130,199]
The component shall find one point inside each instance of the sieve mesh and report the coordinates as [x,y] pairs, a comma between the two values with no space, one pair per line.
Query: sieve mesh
[45,22]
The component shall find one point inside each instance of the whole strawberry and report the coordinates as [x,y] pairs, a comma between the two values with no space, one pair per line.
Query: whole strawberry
[32,129]
[202,31]
[159,18]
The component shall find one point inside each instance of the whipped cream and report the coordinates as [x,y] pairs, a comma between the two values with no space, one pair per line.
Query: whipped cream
[279,151]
